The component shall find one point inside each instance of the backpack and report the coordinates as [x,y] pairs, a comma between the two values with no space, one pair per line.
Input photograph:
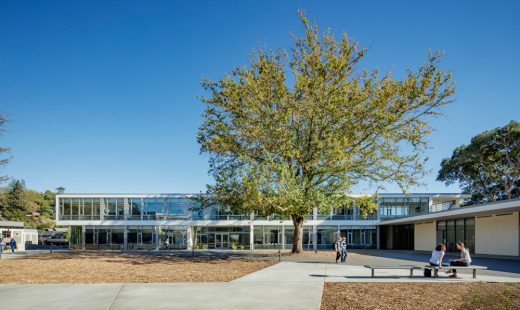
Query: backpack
[427,272]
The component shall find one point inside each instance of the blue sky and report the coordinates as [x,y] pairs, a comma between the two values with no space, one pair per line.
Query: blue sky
[102,95]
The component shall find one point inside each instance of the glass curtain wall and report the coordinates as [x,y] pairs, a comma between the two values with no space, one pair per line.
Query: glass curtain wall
[114,209]
[80,208]
[364,237]
[135,208]
[176,236]
[104,237]
[459,230]
[222,238]
[402,207]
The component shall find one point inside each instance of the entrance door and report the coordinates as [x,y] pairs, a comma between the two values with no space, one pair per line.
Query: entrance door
[349,238]
[221,240]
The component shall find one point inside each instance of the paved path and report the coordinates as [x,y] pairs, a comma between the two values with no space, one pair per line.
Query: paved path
[287,285]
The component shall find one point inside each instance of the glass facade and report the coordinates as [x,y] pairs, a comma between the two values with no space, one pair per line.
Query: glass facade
[460,230]
[222,237]
[402,206]
[132,226]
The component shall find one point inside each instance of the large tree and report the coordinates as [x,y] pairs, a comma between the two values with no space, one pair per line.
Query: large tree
[294,131]
[488,167]
[13,205]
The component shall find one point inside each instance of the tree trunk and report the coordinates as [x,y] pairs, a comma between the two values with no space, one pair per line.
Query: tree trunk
[298,234]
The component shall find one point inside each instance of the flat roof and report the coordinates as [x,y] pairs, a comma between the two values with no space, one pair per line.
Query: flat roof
[457,195]
[11,224]
[497,207]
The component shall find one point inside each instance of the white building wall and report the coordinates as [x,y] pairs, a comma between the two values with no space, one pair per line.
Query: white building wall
[425,236]
[497,234]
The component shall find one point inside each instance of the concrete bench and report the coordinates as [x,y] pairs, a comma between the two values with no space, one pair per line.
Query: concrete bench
[471,267]
[399,267]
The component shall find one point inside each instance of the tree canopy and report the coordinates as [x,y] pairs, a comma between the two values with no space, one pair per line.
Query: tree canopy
[294,131]
[488,167]
[16,202]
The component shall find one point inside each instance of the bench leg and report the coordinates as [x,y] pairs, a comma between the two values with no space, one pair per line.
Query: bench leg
[435,273]
[372,273]
[474,273]
[411,273]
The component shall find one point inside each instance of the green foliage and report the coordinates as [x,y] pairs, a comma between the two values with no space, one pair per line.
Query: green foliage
[283,149]
[489,167]
[367,204]
[17,201]
[14,202]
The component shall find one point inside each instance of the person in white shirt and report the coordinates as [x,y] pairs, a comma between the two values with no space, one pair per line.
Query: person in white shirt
[438,255]
[464,260]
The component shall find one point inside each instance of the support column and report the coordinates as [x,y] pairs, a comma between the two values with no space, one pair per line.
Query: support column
[125,237]
[101,209]
[314,230]
[189,238]
[283,237]
[125,208]
[378,231]
[251,237]
[83,233]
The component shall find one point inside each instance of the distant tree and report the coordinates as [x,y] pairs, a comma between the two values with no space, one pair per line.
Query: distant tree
[49,203]
[285,149]
[60,190]
[488,167]
[14,204]
[4,159]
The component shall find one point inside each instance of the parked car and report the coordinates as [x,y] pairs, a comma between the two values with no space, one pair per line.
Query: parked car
[56,238]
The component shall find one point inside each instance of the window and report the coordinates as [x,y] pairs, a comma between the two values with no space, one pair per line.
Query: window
[114,209]
[460,230]
[135,208]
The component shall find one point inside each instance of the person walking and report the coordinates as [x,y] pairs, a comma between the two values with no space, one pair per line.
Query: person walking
[13,245]
[343,245]
[337,248]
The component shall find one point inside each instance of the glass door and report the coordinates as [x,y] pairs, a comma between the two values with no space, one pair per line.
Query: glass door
[221,240]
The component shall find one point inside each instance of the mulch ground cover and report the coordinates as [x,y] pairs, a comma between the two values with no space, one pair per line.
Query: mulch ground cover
[421,296]
[85,267]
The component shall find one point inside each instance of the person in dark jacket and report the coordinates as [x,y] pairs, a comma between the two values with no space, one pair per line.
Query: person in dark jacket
[13,245]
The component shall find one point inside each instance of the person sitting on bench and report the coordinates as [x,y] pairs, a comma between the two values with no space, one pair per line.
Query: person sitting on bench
[464,260]
[438,255]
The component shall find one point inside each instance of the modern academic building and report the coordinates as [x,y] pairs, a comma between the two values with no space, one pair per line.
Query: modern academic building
[492,228]
[407,222]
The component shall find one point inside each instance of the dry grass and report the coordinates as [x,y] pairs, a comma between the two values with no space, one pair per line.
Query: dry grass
[124,268]
[421,296]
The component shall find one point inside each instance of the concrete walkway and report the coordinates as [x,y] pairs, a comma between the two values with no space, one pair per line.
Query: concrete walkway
[287,285]
[260,292]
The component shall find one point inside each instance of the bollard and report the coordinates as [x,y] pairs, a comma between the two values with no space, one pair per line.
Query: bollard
[279,254]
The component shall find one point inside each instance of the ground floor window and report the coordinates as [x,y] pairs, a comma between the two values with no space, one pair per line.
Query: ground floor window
[222,238]
[357,237]
[403,237]
[137,237]
[459,230]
